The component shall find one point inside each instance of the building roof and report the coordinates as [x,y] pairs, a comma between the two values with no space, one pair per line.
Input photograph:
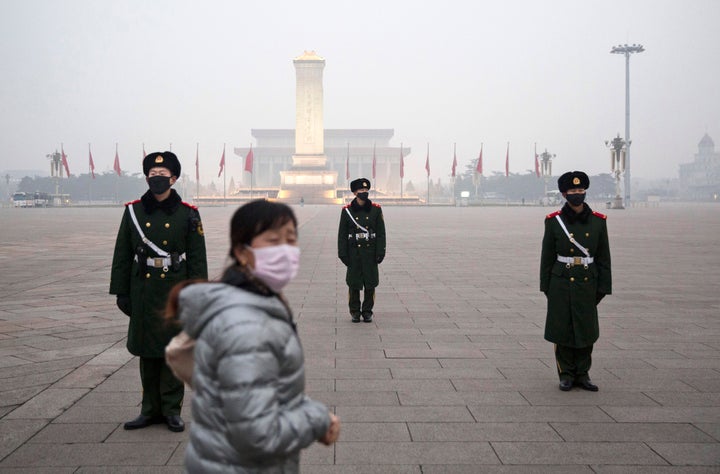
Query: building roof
[706,142]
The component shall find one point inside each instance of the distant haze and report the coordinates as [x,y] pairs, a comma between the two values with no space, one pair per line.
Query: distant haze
[157,72]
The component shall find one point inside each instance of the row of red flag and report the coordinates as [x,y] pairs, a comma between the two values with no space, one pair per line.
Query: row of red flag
[478,165]
[249,159]
[116,165]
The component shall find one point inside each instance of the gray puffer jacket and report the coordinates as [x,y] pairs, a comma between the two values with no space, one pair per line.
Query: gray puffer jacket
[250,414]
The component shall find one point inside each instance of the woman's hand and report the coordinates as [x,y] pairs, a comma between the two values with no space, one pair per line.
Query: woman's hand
[333,431]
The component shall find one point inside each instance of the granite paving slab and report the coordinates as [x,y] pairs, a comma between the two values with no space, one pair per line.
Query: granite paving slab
[453,375]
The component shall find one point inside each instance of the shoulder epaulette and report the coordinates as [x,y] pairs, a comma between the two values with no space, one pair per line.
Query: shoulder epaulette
[552,215]
[376,204]
[346,206]
[130,203]
[601,216]
[191,206]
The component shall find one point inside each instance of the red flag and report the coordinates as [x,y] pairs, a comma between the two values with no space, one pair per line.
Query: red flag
[249,161]
[92,164]
[116,165]
[222,162]
[454,165]
[507,161]
[374,163]
[427,161]
[402,162]
[478,167]
[64,161]
[537,163]
[197,163]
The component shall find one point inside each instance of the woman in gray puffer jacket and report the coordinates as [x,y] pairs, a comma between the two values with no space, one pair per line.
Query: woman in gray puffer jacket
[250,413]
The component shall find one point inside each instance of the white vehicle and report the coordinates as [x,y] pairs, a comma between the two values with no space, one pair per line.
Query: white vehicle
[21,199]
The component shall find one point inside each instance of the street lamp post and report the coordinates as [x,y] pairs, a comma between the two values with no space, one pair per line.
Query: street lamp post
[627,50]
[618,164]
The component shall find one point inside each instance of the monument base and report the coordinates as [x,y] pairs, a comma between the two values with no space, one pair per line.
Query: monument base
[312,186]
[617,203]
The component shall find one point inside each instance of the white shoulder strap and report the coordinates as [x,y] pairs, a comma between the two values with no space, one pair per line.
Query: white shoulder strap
[145,240]
[355,222]
[562,224]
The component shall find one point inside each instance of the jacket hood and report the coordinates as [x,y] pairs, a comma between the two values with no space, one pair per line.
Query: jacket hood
[200,302]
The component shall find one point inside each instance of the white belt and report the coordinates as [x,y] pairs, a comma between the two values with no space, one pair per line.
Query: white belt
[162,262]
[575,260]
[362,236]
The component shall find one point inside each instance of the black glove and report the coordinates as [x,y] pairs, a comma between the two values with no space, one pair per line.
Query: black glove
[123,302]
[379,259]
[598,297]
[345,261]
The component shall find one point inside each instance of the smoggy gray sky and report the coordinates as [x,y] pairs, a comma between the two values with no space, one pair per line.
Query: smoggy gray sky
[441,72]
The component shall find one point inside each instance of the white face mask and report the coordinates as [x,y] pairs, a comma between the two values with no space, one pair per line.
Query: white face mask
[276,265]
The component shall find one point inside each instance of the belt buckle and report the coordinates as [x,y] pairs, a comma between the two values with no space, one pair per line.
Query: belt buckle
[158,262]
[577,260]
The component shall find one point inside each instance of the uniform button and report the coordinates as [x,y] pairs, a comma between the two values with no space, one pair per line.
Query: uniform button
[572,235]
[147,224]
[586,278]
[167,225]
[572,250]
[587,234]
[147,275]
[572,278]
[359,245]
[162,275]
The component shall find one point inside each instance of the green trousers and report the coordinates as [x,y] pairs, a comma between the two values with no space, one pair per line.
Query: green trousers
[364,309]
[162,392]
[573,363]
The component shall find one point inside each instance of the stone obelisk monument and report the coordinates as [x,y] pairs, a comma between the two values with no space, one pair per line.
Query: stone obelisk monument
[309,178]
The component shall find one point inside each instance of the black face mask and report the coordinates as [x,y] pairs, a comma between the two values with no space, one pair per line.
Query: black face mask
[575,199]
[159,184]
[363,196]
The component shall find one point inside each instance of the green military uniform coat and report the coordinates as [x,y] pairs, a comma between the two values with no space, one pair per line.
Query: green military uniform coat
[175,229]
[572,290]
[363,254]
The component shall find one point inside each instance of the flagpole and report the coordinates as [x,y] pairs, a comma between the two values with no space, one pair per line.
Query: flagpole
[252,173]
[89,181]
[374,165]
[117,177]
[427,161]
[402,170]
[224,177]
[197,172]
[454,199]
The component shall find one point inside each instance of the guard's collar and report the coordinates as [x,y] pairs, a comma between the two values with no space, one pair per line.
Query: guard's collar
[572,216]
[357,207]
[150,204]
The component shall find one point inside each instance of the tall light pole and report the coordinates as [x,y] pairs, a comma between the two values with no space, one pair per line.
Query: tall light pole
[627,50]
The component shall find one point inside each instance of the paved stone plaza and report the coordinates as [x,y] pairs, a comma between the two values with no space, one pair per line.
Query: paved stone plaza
[453,375]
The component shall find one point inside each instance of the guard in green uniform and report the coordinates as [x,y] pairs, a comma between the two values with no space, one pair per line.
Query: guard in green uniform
[361,247]
[574,275]
[160,243]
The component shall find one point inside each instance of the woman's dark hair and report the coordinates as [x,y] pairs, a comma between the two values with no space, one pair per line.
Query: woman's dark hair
[254,218]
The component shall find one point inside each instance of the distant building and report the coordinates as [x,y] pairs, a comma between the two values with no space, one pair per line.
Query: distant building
[700,180]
